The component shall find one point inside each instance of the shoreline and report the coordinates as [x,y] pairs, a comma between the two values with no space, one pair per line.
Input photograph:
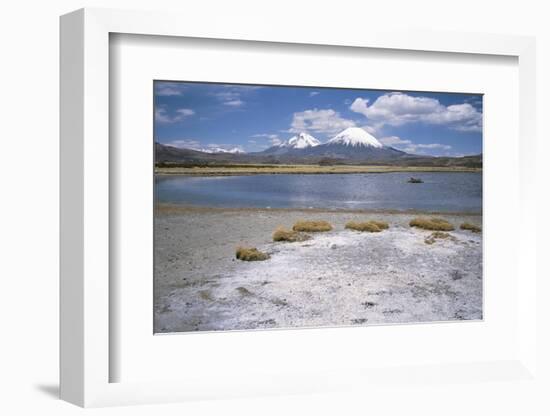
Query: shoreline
[165,208]
[305,170]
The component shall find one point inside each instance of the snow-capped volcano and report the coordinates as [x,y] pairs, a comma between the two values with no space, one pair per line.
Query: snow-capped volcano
[301,141]
[352,144]
[355,136]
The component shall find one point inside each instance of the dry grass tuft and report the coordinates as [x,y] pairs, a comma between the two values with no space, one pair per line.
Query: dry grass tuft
[471,227]
[244,291]
[291,236]
[381,224]
[251,254]
[206,295]
[312,226]
[438,235]
[369,226]
[433,224]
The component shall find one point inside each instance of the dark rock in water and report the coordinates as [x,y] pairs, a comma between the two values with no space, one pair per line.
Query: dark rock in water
[415,180]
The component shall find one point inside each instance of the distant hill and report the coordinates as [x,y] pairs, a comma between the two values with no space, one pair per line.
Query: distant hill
[474,161]
[352,146]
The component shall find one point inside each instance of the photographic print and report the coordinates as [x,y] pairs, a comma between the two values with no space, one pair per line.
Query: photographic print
[293,207]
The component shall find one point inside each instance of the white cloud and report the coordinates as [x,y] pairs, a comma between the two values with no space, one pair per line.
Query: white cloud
[396,109]
[319,121]
[410,147]
[371,129]
[167,89]
[232,96]
[185,144]
[259,145]
[262,135]
[434,149]
[434,146]
[394,141]
[265,135]
[162,116]
[185,112]
[234,103]
[360,106]
[227,95]
[274,139]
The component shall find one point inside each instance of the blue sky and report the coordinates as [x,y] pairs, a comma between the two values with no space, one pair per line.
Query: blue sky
[253,118]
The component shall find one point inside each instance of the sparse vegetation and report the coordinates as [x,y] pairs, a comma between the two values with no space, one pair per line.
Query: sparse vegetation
[312,226]
[244,291]
[438,235]
[433,224]
[205,295]
[250,254]
[369,226]
[323,167]
[470,227]
[381,224]
[291,236]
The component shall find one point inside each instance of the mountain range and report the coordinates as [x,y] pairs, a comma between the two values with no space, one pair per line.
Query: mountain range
[351,146]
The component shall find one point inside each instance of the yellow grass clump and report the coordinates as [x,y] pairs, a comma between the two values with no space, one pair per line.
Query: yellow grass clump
[251,254]
[381,224]
[369,226]
[471,227]
[281,234]
[438,235]
[433,224]
[312,226]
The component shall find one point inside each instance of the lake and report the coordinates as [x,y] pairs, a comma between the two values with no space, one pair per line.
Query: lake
[441,191]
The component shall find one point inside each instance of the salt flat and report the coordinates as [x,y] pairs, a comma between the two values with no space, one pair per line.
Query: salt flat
[341,277]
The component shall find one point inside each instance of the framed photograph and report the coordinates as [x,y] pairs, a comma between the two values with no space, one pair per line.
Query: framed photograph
[282,213]
[290,206]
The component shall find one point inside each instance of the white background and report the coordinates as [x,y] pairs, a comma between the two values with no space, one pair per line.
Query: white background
[139,60]
[29,225]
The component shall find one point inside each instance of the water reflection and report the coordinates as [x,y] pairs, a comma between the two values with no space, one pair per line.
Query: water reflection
[441,191]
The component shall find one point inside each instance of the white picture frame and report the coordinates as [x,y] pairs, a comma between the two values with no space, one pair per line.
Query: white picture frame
[85,210]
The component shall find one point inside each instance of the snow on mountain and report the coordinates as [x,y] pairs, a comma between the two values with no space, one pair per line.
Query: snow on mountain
[234,150]
[355,136]
[301,141]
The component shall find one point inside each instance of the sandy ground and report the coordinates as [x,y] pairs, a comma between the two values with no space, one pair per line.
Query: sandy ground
[341,277]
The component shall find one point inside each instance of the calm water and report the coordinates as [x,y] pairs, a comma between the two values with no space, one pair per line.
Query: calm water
[439,192]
